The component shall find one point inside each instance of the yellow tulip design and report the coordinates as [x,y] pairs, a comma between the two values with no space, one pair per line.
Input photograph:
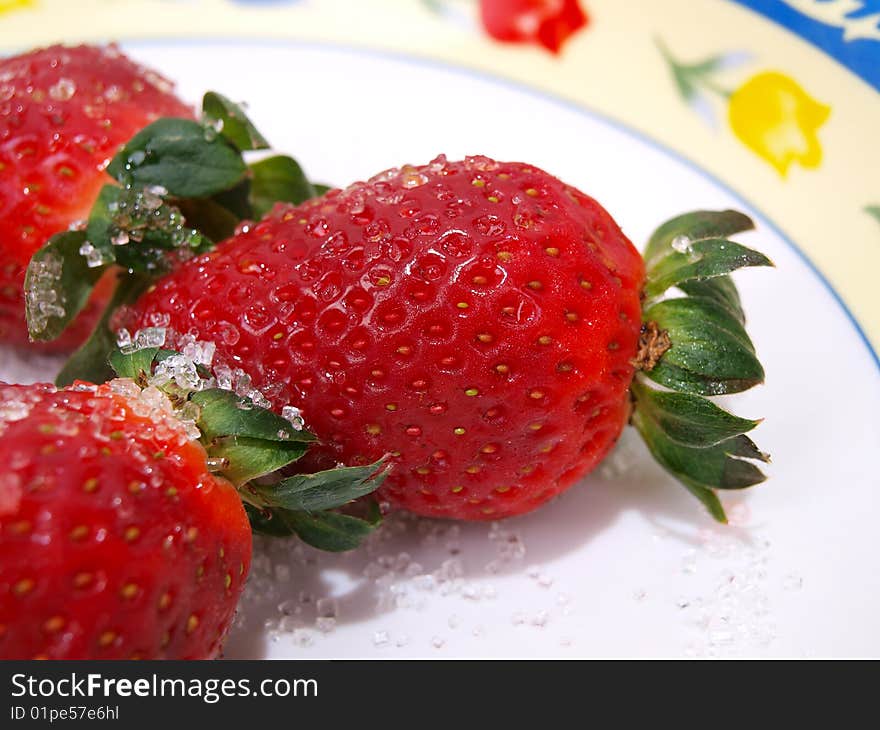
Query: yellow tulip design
[770,113]
[777,119]
[7,6]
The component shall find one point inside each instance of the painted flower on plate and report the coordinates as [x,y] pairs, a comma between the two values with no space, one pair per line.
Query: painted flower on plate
[770,112]
[548,23]
[773,116]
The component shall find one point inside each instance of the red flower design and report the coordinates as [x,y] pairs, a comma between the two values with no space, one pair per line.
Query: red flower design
[545,22]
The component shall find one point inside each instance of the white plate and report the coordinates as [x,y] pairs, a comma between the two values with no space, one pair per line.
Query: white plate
[626,563]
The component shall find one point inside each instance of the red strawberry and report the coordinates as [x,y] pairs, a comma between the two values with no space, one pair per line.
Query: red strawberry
[477,320]
[548,23]
[117,541]
[63,113]
[481,322]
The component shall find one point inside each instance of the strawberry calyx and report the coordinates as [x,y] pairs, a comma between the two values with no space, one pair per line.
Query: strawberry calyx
[180,186]
[250,446]
[695,346]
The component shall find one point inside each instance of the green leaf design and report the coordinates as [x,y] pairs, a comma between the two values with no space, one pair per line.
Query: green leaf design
[720,290]
[57,285]
[223,413]
[691,77]
[711,352]
[703,259]
[230,120]
[91,362]
[186,158]
[321,189]
[324,489]
[277,179]
[331,531]
[873,211]
[695,226]
[689,420]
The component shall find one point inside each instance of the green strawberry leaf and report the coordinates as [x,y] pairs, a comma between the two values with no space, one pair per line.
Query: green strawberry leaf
[237,200]
[266,521]
[321,189]
[249,458]
[702,259]
[137,229]
[223,413]
[689,420]
[726,465]
[331,531]
[324,489]
[91,362]
[185,157]
[229,119]
[246,441]
[132,364]
[711,353]
[695,226]
[135,365]
[209,216]
[720,290]
[251,441]
[275,179]
[707,497]
[705,351]
[57,284]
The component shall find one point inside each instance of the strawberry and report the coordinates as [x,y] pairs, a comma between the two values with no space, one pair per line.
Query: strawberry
[63,113]
[484,325]
[475,319]
[121,536]
[118,540]
[481,323]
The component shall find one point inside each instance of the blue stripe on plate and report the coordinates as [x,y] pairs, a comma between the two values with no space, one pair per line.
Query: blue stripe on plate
[851,38]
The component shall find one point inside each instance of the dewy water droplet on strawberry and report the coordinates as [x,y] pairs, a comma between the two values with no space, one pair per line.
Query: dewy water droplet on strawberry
[411,177]
[10,492]
[62,90]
